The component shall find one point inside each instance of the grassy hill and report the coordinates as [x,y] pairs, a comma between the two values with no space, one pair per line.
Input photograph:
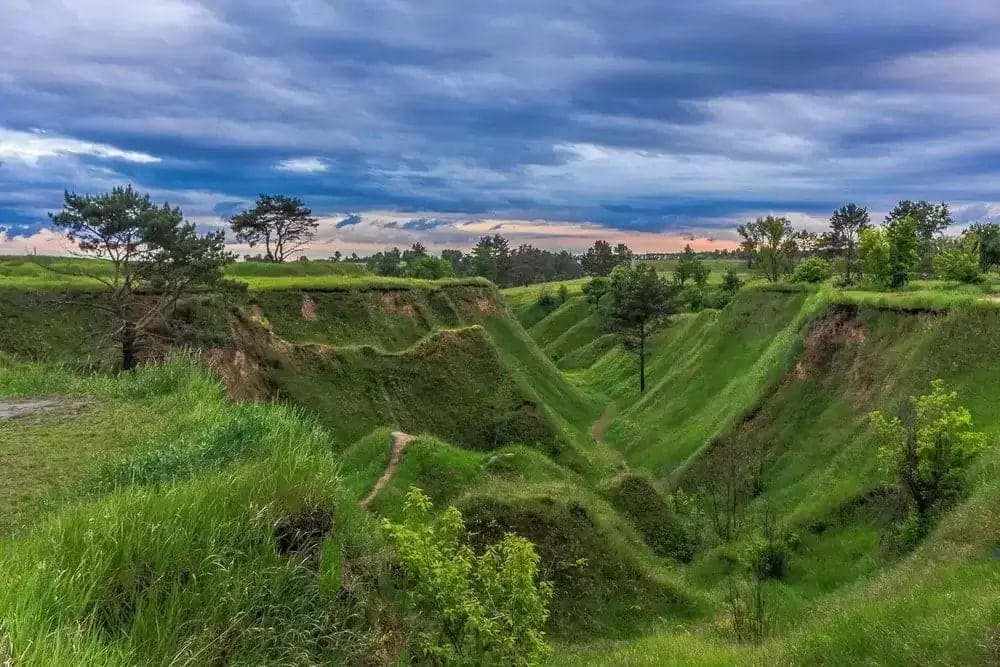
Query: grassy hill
[529,420]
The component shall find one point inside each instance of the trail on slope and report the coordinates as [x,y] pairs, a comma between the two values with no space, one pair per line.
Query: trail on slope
[399,442]
[598,428]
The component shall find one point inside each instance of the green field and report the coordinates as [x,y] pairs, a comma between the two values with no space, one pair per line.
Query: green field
[141,515]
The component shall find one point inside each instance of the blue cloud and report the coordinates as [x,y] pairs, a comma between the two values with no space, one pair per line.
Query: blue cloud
[644,115]
[350,220]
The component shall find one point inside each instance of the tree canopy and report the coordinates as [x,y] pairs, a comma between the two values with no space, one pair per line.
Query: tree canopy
[635,301]
[282,224]
[153,249]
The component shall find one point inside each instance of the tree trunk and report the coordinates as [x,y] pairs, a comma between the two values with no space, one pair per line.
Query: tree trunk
[128,346]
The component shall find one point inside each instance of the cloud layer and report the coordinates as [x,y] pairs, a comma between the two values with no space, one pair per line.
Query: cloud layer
[607,118]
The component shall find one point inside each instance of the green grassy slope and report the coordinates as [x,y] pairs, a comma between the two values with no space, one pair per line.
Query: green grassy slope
[171,552]
[355,389]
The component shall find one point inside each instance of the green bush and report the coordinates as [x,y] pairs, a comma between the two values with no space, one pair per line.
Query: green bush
[873,251]
[812,270]
[959,260]
[546,299]
[927,455]
[429,268]
[469,609]
[731,282]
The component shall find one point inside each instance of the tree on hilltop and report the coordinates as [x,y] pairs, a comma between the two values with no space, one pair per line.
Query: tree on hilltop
[280,223]
[846,225]
[157,258]
[772,242]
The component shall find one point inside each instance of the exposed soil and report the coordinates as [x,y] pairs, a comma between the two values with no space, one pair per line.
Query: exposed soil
[598,428]
[308,309]
[399,443]
[838,330]
[31,406]
[302,534]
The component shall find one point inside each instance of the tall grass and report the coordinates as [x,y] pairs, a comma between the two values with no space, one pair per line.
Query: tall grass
[174,559]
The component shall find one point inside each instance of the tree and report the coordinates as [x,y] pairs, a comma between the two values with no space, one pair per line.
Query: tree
[637,301]
[282,224]
[930,220]
[812,270]
[429,268]
[417,251]
[988,236]
[731,282]
[491,258]
[469,609]
[157,258]
[959,259]
[904,253]
[927,453]
[457,259]
[873,252]
[846,225]
[386,262]
[772,240]
[689,266]
[600,258]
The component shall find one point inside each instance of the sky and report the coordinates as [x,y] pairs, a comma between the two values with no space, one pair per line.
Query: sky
[552,122]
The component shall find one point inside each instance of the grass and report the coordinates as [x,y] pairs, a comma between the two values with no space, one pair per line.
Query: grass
[791,371]
[86,585]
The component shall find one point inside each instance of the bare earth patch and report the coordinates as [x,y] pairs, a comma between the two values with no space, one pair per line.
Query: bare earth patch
[598,428]
[31,406]
[308,309]
[399,443]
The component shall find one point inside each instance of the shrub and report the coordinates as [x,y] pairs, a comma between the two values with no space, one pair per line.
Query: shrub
[927,454]
[546,299]
[731,282]
[563,293]
[904,254]
[812,270]
[469,609]
[767,556]
[873,251]
[429,268]
[959,260]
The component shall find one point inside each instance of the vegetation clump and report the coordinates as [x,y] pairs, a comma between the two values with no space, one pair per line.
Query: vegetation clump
[661,528]
[927,453]
[469,609]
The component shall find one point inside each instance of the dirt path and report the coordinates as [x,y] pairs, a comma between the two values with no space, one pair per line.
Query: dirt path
[399,443]
[30,406]
[598,428]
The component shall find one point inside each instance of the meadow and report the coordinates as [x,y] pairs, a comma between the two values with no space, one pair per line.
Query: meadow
[141,513]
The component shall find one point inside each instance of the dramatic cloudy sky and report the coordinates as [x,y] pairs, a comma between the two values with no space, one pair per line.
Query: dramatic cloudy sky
[552,121]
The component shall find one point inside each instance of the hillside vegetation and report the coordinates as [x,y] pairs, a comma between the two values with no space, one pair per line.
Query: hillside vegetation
[147,514]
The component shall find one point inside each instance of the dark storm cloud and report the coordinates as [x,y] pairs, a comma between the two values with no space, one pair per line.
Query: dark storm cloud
[642,115]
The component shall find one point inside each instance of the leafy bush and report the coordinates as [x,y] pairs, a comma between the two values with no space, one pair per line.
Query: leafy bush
[731,282]
[546,299]
[812,270]
[767,556]
[926,455]
[873,250]
[563,293]
[469,609]
[959,260]
[429,268]
[904,253]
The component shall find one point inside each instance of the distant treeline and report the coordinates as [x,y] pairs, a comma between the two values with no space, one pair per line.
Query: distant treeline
[493,258]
